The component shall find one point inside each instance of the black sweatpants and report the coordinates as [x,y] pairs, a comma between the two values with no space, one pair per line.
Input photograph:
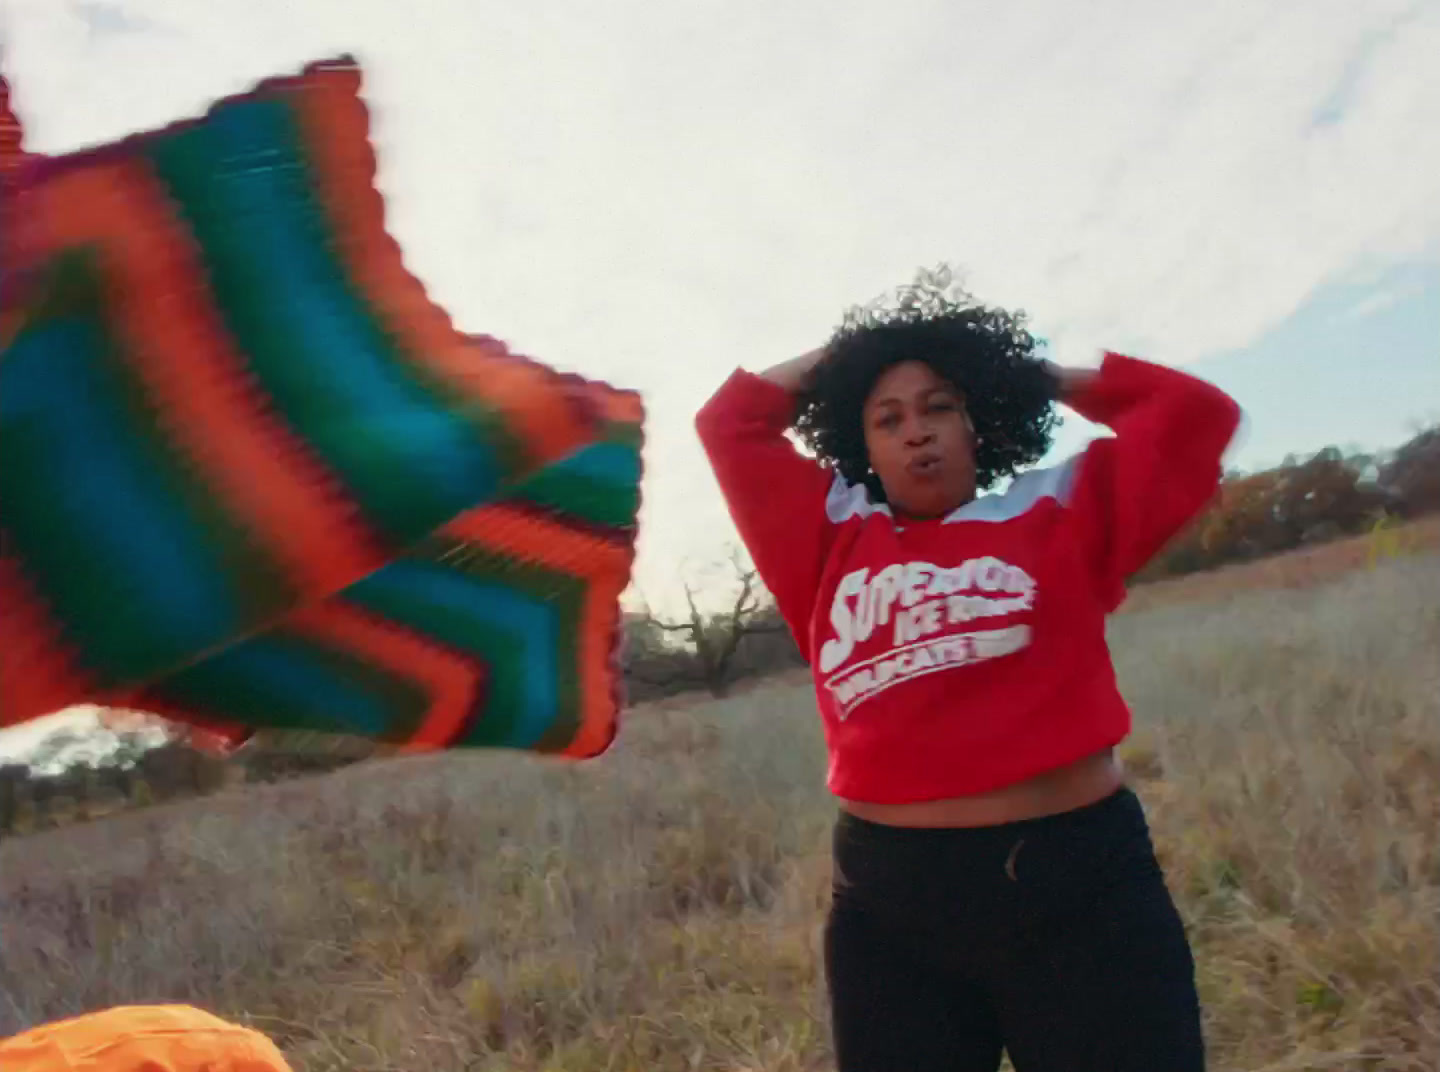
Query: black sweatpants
[1053,939]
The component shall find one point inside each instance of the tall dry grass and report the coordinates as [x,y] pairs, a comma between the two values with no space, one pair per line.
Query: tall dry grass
[660,908]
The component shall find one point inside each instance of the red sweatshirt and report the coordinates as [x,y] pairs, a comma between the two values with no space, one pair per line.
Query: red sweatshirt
[961,655]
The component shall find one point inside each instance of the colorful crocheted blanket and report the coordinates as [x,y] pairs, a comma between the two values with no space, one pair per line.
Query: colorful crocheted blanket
[252,477]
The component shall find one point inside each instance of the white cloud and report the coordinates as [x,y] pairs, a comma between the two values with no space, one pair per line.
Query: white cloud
[654,193]
[17,743]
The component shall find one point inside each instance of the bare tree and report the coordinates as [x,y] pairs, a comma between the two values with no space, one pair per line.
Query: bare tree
[715,638]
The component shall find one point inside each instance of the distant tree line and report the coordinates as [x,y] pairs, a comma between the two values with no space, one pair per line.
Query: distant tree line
[1306,501]
[137,770]
[735,633]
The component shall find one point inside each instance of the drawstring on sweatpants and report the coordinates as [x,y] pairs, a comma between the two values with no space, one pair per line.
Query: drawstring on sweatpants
[1010,860]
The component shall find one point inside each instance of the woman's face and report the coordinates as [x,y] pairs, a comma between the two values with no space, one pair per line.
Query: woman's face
[920,441]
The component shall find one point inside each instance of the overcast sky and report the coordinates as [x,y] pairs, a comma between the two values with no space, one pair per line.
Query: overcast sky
[653,193]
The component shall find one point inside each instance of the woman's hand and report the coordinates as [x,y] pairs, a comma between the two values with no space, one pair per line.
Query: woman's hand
[794,375]
[1070,381]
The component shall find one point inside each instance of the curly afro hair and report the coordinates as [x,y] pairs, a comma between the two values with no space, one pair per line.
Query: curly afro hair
[986,352]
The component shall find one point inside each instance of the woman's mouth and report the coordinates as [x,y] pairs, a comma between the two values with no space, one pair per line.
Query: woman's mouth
[924,466]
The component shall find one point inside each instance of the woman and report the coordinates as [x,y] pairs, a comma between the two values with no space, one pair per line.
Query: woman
[995,885]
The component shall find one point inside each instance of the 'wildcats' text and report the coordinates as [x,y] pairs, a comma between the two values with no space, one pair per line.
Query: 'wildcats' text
[856,684]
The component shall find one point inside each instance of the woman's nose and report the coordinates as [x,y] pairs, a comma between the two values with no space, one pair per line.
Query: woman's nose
[917,434]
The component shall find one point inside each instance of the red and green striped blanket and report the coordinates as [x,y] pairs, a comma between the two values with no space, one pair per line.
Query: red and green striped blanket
[252,477]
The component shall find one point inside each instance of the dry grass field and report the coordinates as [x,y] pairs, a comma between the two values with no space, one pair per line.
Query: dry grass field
[660,908]
[1304,568]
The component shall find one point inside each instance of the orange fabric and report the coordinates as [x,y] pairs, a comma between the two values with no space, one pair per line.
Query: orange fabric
[141,1038]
